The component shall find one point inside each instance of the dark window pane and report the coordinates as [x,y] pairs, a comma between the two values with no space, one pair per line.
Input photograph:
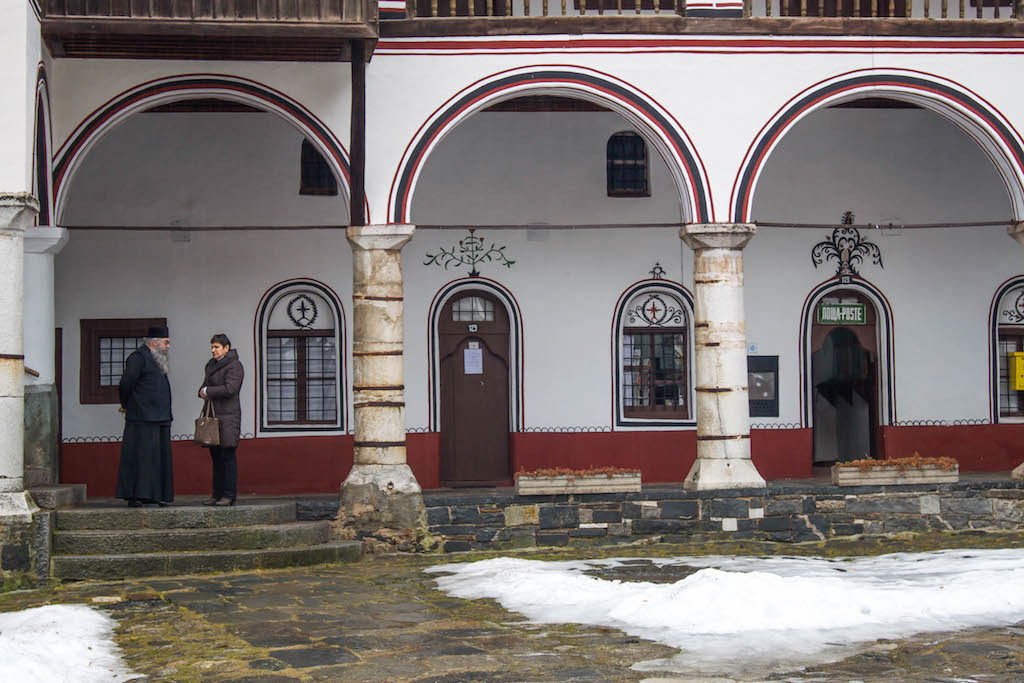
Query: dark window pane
[627,166]
[316,175]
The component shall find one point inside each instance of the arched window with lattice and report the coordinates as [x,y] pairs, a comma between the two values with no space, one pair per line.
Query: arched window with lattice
[654,348]
[301,359]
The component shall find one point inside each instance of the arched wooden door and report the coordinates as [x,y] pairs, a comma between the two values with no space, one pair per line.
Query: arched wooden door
[844,366]
[473,340]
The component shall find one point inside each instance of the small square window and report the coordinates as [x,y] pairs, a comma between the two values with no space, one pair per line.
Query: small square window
[105,346]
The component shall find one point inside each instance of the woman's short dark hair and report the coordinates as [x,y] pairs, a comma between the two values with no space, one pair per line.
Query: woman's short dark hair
[221,339]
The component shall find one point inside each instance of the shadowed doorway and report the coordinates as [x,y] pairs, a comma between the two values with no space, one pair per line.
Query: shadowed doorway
[844,365]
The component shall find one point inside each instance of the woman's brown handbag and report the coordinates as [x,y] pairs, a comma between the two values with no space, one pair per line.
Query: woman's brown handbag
[207,427]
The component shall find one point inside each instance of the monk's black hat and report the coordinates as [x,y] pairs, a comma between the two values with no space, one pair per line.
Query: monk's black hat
[158,332]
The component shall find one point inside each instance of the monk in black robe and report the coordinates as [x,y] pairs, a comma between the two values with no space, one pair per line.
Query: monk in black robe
[146,475]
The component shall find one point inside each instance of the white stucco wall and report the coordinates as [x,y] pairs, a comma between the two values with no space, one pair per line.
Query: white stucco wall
[199,169]
[20,53]
[891,165]
[209,285]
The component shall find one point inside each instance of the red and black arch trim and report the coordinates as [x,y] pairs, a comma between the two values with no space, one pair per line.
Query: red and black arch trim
[610,91]
[894,83]
[197,85]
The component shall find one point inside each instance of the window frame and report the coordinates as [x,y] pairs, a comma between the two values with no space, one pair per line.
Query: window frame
[682,409]
[316,179]
[610,164]
[279,294]
[621,323]
[1017,332]
[90,391]
[302,378]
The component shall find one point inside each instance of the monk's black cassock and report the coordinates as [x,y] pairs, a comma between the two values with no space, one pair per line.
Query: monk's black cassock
[146,472]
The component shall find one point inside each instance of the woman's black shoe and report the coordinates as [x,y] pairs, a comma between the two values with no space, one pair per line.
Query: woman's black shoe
[134,503]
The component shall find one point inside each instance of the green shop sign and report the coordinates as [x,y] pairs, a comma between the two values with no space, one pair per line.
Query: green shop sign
[841,314]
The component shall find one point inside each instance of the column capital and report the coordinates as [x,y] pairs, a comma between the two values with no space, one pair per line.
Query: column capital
[1016,231]
[45,239]
[17,209]
[389,237]
[717,235]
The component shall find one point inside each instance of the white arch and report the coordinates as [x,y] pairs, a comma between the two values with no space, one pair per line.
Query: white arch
[970,112]
[655,123]
[162,91]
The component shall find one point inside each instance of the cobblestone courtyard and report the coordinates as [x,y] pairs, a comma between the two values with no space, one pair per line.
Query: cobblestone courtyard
[382,619]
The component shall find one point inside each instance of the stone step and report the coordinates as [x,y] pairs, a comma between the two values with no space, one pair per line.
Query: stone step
[121,541]
[175,517]
[53,496]
[70,567]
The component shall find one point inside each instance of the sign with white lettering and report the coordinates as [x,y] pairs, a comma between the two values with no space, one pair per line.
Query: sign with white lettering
[841,314]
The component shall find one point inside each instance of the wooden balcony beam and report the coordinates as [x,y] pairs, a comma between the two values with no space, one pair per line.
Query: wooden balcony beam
[192,39]
[678,25]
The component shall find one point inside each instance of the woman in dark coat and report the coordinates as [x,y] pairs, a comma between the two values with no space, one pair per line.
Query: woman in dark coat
[224,375]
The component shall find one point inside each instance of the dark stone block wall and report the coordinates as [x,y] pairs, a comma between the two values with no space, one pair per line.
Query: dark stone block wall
[781,513]
[40,435]
[25,551]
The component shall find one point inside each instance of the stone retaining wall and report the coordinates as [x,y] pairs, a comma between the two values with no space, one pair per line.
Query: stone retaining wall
[788,514]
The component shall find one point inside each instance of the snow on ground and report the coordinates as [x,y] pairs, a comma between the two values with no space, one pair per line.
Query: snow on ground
[746,616]
[56,643]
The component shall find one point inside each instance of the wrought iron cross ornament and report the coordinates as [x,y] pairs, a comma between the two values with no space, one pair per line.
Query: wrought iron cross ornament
[847,248]
[470,252]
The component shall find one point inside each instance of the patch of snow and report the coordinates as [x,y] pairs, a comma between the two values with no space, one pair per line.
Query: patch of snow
[741,616]
[56,643]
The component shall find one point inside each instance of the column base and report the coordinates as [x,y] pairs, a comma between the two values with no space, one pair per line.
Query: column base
[723,473]
[16,507]
[1018,472]
[24,541]
[383,505]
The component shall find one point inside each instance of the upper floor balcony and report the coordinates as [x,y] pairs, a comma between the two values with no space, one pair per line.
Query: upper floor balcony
[947,18]
[293,30]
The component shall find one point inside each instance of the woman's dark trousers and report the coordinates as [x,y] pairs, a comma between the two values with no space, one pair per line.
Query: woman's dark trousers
[225,472]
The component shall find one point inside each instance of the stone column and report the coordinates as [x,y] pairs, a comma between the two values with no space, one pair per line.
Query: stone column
[16,213]
[42,243]
[720,341]
[381,491]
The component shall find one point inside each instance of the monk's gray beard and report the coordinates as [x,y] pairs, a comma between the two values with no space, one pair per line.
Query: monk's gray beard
[161,359]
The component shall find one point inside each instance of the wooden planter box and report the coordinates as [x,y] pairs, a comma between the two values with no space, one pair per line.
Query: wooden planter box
[890,475]
[588,483]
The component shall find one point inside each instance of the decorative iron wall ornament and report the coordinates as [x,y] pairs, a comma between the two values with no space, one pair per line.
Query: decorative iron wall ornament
[302,311]
[1016,314]
[847,248]
[657,272]
[469,252]
[656,312]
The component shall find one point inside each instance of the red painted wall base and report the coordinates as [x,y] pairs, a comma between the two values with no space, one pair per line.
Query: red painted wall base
[286,465]
[319,464]
[978,448]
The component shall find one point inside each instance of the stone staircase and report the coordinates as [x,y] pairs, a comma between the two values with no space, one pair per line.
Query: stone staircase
[121,542]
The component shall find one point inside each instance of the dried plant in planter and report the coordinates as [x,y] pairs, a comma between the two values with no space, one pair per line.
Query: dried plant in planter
[573,473]
[902,464]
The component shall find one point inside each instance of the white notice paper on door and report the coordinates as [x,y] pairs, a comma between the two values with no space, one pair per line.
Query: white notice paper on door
[473,361]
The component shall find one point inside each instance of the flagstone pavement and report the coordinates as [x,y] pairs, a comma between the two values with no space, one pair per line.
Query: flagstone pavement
[381,619]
